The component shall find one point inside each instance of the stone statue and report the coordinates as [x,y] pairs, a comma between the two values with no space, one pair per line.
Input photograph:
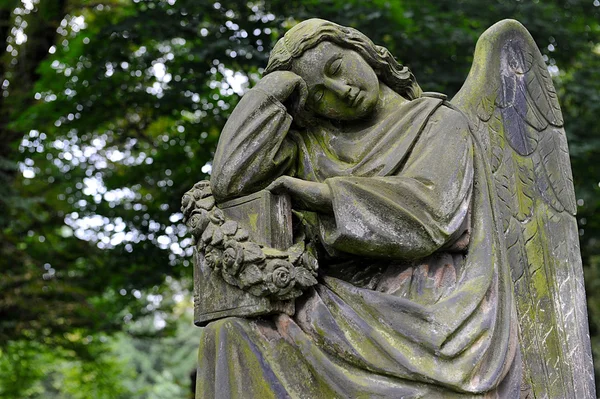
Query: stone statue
[430,247]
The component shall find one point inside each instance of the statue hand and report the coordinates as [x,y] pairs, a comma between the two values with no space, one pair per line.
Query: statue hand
[282,85]
[306,195]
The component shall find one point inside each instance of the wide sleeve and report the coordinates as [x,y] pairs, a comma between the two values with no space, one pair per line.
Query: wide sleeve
[418,210]
[253,149]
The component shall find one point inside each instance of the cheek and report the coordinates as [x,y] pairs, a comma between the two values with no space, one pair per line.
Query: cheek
[372,79]
[373,93]
[369,82]
[362,71]
[332,107]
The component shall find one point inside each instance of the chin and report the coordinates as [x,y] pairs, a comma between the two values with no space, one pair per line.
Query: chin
[356,114]
[366,108]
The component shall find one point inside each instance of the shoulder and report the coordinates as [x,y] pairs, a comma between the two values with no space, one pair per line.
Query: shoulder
[447,123]
[445,109]
[451,119]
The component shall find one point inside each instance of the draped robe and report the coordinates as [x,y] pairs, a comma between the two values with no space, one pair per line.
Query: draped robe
[414,297]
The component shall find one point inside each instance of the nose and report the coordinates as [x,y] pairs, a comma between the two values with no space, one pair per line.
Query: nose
[339,87]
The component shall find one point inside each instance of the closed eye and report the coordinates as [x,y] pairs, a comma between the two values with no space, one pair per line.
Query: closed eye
[335,66]
[318,95]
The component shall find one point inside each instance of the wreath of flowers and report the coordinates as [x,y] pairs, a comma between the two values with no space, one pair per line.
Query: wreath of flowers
[228,250]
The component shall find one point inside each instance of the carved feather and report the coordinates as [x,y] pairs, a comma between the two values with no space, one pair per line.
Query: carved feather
[503,182]
[554,154]
[529,113]
[521,137]
[543,184]
[485,108]
[543,285]
[523,188]
[497,143]
[541,90]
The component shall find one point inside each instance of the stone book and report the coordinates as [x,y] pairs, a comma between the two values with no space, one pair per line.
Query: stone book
[267,218]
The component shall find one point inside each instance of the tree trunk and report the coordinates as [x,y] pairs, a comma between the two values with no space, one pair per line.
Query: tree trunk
[41,35]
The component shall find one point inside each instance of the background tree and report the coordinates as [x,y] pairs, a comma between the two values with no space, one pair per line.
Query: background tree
[111,109]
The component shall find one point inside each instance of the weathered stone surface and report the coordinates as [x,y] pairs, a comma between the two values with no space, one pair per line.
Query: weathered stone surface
[443,231]
[245,263]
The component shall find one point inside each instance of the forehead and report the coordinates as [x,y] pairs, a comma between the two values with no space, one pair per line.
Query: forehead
[312,62]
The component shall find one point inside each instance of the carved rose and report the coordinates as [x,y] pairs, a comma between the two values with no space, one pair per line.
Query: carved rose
[213,257]
[185,202]
[233,257]
[282,277]
[199,197]
[281,273]
[197,223]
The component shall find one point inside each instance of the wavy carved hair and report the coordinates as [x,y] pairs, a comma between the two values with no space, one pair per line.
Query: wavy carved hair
[310,33]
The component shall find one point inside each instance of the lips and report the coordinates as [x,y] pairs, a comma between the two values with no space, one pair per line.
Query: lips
[353,97]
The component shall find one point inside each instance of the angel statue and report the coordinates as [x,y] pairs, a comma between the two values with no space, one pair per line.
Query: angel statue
[434,249]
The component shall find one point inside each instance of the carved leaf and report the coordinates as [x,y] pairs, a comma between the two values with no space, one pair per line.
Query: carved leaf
[229,227]
[206,203]
[208,233]
[217,237]
[230,279]
[253,252]
[295,252]
[250,275]
[272,253]
[304,278]
[241,235]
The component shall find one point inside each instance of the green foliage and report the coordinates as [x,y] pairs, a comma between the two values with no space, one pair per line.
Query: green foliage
[33,370]
[111,110]
[123,366]
[162,367]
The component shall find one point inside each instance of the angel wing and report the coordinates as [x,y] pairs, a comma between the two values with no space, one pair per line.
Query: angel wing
[511,103]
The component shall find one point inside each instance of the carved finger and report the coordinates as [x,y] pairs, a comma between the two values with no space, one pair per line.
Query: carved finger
[278,186]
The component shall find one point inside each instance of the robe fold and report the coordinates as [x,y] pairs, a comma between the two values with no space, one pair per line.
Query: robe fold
[415,298]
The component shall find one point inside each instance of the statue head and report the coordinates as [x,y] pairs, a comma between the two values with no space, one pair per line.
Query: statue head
[316,37]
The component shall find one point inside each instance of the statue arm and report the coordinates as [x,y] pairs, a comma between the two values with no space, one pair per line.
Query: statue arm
[253,149]
[412,214]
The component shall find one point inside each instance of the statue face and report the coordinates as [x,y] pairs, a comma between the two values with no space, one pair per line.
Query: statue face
[341,85]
